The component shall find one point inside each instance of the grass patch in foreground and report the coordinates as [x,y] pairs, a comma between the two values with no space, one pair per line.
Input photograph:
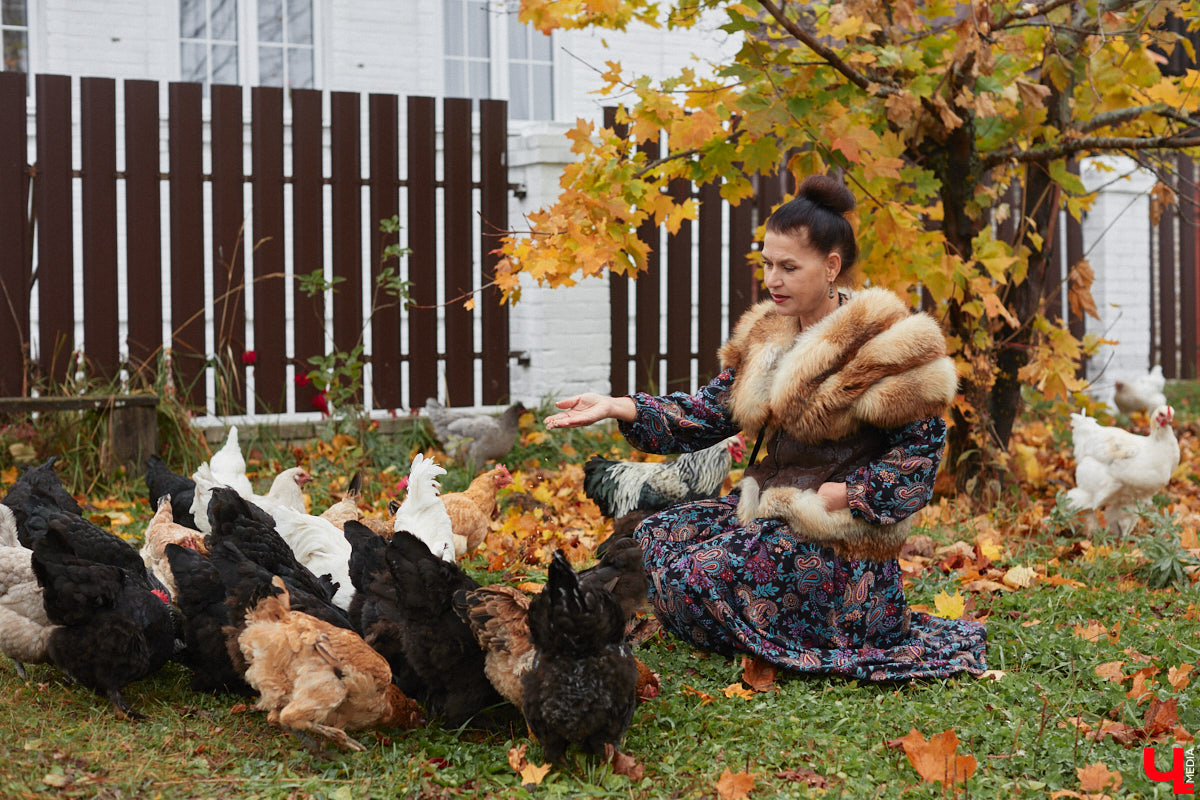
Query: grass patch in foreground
[64,741]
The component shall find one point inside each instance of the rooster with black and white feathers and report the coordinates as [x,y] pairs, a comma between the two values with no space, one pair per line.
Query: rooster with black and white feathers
[620,487]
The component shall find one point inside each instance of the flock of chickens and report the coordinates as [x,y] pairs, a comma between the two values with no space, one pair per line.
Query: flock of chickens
[1115,469]
[338,621]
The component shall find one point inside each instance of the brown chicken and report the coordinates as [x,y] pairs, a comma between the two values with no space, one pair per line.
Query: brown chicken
[161,531]
[471,511]
[347,508]
[498,616]
[313,676]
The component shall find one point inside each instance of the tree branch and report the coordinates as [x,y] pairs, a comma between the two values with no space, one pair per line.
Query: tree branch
[1028,13]
[831,58]
[1120,115]
[1105,143]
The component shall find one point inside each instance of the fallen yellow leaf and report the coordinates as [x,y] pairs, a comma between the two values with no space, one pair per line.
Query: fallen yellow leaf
[1019,577]
[1111,671]
[737,690]
[1178,676]
[950,607]
[533,776]
[1097,777]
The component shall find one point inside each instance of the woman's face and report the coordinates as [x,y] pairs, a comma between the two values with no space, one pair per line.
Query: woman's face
[797,276]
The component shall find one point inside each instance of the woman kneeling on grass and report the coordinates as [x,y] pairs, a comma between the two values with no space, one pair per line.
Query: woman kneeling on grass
[799,567]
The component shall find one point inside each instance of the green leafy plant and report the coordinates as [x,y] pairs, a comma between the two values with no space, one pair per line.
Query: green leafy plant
[338,375]
[1167,562]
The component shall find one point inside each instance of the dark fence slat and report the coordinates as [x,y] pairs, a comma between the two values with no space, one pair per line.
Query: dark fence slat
[679,296]
[646,303]
[1189,264]
[14,234]
[618,299]
[267,233]
[229,245]
[308,240]
[708,232]
[187,241]
[98,108]
[741,273]
[1166,292]
[457,238]
[347,221]
[143,229]
[386,351]
[493,207]
[422,261]
[55,229]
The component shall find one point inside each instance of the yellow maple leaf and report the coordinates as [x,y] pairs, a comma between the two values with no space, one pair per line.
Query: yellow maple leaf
[533,775]
[737,690]
[937,759]
[1097,777]
[949,607]
[469,304]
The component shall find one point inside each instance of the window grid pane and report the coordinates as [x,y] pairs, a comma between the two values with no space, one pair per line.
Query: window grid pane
[193,22]
[12,12]
[270,65]
[270,21]
[300,67]
[224,21]
[224,64]
[466,39]
[16,51]
[300,22]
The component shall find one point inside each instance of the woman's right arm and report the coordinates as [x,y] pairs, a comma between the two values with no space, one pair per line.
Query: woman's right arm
[584,409]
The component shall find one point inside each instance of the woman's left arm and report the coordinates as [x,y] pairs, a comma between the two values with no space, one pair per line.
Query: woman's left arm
[900,482]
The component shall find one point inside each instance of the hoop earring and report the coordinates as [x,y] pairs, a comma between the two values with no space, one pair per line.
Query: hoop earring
[831,290]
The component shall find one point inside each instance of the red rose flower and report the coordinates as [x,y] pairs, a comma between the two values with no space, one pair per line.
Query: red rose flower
[302,379]
[320,403]
[249,357]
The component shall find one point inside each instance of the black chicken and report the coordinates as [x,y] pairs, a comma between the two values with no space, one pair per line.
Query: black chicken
[581,688]
[374,611]
[436,642]
[41,481]
[162,482]
[113,630]
[247,582]
[235,521]
[621,571]
[201,598]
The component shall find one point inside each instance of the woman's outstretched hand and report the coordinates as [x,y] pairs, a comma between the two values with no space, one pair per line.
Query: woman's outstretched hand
[584,409]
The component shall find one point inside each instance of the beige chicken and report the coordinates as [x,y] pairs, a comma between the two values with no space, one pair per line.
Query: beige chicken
[24,627]
[313,676]
[471,511]
[347,508]
[161,531]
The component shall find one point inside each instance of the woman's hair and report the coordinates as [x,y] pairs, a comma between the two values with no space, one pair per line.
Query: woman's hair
[819,209]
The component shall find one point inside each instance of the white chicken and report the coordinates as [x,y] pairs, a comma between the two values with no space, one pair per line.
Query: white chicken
[285,492]
[228,465]
[319,545]
[422,513]
[1142,393]
[1116,469]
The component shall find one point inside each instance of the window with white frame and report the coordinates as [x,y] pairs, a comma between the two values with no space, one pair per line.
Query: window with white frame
[488,52]
[530,72]
[208,41]
[14,34]
[264,42]
[285,43]
[468,50]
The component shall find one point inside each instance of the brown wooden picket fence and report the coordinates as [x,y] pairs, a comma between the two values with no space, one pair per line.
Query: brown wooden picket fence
[450,222]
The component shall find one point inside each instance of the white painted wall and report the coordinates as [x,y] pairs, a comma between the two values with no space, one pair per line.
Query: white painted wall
[1116,238]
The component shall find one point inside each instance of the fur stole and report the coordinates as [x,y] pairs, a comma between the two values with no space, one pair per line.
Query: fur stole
[872,362]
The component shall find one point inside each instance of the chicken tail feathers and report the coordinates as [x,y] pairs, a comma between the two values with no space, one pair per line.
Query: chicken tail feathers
[599,485]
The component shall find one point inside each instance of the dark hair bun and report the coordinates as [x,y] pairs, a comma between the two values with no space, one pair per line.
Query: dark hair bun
[824,191]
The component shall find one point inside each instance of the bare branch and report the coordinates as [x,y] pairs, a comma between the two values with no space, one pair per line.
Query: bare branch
[831,58]
[1092,143]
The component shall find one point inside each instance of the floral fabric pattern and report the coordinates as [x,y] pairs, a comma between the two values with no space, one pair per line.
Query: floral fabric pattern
[760,589]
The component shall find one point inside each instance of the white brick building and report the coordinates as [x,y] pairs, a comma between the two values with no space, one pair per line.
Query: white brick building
[455,47]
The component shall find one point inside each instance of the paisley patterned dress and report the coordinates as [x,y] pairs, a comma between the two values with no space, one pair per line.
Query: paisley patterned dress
[760,590]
